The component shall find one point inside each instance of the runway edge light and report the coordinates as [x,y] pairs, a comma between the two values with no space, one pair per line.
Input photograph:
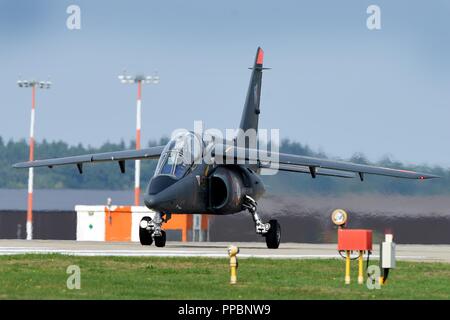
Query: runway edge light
[339,217]
[232,252]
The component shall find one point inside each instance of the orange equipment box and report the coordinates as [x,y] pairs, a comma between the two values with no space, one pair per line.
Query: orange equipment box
[354,239]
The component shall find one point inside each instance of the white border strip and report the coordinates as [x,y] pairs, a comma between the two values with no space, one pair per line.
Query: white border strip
[172,253]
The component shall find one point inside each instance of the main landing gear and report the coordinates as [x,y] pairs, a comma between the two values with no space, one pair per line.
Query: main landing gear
[150,230]
[271,230]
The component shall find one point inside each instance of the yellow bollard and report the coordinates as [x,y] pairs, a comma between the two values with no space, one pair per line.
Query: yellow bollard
[383,277]
[360,267]
[232,252]
[347,267]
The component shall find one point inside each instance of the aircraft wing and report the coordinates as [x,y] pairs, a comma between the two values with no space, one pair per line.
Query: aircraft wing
[316,166]
[304,169]
[120,156]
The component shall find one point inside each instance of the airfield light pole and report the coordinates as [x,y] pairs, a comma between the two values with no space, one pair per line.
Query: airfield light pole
[41,85]
[139,80]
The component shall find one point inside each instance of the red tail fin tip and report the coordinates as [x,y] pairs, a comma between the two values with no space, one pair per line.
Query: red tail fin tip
[260,58]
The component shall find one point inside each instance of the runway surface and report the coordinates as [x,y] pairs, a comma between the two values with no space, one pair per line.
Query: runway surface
[210,249]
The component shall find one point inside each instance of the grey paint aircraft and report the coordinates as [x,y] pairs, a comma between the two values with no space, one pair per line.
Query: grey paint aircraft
[189,187]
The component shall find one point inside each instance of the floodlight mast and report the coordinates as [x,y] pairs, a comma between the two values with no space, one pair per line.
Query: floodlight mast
[41,85]
[139,80]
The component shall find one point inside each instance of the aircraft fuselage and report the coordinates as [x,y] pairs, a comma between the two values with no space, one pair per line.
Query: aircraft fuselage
[211,189]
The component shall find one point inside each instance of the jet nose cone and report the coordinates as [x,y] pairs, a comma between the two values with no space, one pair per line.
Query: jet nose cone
[151,201]
[158,196]
[160,183]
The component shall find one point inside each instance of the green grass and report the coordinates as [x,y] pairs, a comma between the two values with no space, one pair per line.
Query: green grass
[44,277]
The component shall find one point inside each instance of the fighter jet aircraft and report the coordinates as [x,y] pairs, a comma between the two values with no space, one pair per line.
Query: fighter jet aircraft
[191,185]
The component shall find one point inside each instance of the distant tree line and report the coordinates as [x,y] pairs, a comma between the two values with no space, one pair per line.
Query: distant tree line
[108,176]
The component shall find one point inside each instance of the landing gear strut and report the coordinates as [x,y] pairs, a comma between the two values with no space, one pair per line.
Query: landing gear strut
[271,230]
[150,230]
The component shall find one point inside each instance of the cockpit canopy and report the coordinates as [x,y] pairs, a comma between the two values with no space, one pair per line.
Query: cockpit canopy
[180,153]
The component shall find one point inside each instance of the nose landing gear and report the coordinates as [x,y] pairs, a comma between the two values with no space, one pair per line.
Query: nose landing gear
[150,230]
[160,241]
[145,236]
[271,230]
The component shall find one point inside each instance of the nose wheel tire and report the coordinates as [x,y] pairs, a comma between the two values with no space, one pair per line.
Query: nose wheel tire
[145,237]
[161,240]
[273,236]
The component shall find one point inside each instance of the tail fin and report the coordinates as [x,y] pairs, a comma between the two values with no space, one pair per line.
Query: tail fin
[250,114]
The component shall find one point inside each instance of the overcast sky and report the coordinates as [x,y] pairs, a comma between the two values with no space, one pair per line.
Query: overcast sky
[335,85]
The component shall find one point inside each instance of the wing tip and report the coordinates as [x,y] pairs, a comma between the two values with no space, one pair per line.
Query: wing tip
[19,165]
[22,165]
[428,176]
